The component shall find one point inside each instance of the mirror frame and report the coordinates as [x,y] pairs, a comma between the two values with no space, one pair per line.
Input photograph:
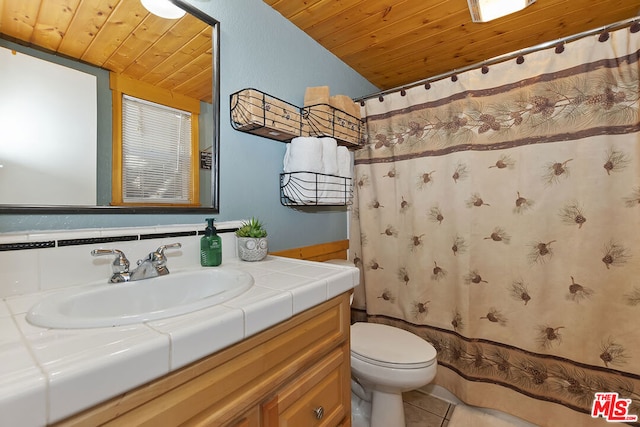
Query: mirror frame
[215,160]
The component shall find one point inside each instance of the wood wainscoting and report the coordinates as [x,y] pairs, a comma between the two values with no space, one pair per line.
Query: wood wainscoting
[319,252]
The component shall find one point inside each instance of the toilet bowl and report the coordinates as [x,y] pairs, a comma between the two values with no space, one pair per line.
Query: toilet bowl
[386,362]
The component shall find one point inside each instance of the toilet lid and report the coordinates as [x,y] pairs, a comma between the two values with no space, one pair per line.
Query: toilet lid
[388,346]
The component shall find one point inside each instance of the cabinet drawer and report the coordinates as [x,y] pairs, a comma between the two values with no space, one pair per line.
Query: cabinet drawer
[317,398]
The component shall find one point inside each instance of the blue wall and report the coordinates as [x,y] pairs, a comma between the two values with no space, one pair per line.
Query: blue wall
[259,49]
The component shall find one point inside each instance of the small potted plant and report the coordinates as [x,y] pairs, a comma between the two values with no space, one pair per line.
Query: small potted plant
[252,240]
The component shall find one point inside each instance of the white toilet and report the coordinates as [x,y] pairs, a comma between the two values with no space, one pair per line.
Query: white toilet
[385,362]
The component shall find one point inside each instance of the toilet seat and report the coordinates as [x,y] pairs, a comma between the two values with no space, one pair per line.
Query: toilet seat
[390,347]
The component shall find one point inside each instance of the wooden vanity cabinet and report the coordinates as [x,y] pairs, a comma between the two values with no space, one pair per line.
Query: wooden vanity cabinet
[294,374]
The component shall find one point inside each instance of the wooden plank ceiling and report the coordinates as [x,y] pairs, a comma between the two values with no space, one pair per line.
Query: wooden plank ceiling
[117,35]
[394,43]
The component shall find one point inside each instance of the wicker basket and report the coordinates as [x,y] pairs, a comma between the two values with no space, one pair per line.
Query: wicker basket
[255,112]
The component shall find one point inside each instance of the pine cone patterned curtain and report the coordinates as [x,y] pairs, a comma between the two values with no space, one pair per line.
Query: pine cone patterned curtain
[497,215]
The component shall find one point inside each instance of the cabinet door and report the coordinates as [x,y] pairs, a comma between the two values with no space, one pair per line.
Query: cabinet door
[250,419]
[315,399]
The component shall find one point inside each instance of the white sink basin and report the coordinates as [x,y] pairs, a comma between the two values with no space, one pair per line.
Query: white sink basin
[107,305]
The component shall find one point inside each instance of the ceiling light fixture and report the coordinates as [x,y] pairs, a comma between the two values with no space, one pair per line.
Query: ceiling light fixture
[487,10]
[163,8]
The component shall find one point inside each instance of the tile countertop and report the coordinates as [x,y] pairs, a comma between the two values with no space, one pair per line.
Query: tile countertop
[47,375]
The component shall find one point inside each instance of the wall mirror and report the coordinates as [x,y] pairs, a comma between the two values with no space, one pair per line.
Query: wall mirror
[180,55]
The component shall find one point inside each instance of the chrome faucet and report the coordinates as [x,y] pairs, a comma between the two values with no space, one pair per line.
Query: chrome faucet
[154,265]
[120,265]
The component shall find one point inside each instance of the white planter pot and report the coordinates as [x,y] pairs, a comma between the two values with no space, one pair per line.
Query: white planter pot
[252,248]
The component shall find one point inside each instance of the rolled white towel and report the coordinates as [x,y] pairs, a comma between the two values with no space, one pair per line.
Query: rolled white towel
[304,153]
[344,162]
[329,156]
[334,190]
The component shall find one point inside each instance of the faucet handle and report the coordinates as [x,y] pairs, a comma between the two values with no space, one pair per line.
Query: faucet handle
[158,257]
[120,263]
[162,248]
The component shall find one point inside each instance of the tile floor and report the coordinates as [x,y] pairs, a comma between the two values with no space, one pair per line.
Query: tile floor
[423,410]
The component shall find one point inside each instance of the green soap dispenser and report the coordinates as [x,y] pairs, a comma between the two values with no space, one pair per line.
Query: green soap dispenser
[210,246]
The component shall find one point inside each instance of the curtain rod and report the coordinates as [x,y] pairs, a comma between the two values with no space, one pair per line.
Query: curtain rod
[507,56]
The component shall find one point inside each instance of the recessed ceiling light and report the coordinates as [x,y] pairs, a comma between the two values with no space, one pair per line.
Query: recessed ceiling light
[163,8]
[487,10]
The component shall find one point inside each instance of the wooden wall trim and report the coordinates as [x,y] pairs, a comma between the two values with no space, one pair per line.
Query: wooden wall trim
[319,252]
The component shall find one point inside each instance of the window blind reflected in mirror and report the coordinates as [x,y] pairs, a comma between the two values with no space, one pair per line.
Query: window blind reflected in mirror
[156,153]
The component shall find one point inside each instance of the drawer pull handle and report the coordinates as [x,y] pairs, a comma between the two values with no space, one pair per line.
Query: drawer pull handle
[319,412]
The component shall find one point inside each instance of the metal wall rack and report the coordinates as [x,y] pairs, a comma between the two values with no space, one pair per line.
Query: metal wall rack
[261,114]
[314,189]
[258,113]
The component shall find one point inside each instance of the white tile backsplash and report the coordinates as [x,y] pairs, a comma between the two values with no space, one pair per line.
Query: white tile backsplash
[39,236]
[26,271]
[19,272]
[70,266]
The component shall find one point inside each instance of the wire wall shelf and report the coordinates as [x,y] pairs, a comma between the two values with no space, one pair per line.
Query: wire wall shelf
[261,114]
[314,189]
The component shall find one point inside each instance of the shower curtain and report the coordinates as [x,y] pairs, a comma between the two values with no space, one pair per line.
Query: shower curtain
[497,215]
